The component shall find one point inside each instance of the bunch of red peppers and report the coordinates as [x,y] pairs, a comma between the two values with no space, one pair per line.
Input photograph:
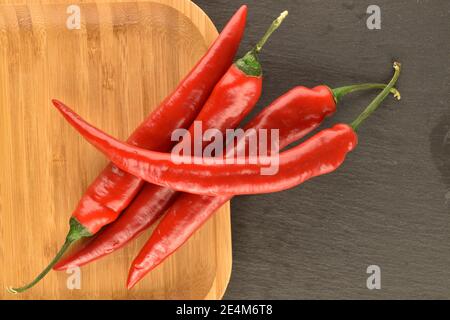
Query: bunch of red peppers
[143,182]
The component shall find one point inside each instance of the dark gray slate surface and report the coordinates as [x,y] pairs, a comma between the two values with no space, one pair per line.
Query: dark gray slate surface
[389,204]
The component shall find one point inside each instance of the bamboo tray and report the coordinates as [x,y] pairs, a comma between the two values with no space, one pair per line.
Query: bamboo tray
[123,60]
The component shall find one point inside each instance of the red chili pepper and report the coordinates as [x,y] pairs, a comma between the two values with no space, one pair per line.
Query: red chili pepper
[295,114]
[113,189]
[317,156]
[233,97]
[190,211]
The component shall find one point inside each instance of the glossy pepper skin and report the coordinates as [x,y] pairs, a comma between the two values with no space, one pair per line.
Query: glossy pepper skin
[186,216]
[318,141]
[223,178]
[293,166]
[316,156]
[113,190]
[190,211]
[231,100]
[294,114]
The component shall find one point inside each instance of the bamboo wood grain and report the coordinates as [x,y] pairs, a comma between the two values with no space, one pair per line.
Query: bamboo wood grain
[126,57]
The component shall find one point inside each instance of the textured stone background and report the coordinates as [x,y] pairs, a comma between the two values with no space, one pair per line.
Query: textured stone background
[389,203]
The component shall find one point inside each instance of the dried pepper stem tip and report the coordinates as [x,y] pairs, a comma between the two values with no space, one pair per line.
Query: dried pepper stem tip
[377,101]
[249,63]
[275,24]
[340,92]
[11,290]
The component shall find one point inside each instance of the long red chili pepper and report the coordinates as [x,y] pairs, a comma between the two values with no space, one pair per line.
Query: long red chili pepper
[316,156]
[190,211]
[295,114]
[233,97]
[341,133]
[113,189]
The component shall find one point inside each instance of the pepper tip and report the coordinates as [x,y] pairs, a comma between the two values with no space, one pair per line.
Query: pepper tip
[57,103]
[130,285]
[60,267]
[243,10]
[132,279]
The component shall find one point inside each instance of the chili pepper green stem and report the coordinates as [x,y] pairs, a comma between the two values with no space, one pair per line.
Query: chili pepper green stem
[274,26]
[377,101]
[63,249]
[76,232]
[249,63]
[342,91]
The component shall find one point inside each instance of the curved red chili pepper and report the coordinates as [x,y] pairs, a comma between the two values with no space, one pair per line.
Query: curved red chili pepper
[300,108]
[313,157]
[231,100]
[295,166]
[210,178]
[295,114]
[282,114]
[190,212]
[223,110]
[113,189]
[316,156]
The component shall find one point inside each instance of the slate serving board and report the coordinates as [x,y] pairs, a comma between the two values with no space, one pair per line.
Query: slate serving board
[389,204]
